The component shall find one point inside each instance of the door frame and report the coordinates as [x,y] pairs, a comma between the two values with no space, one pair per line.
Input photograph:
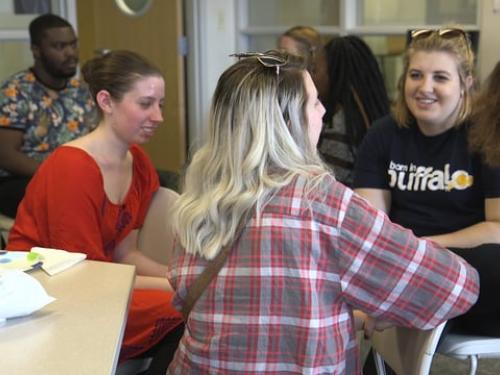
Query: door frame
[211,35]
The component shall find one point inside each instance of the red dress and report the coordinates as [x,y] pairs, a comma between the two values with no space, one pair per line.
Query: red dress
[66,207]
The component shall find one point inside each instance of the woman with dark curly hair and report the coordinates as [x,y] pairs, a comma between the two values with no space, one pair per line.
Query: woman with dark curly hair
[356,98]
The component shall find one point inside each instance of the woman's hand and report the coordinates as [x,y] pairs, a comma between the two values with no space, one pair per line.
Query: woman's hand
[372,325]
[368,324]
[149,273]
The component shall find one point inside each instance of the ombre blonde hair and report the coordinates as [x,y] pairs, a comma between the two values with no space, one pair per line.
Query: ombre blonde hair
[257,143]
[460,48]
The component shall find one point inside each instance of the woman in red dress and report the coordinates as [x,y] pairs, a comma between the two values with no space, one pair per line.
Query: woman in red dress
[92,194]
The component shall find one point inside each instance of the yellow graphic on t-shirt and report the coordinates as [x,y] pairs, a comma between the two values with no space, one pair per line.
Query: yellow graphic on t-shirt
[421,178]
[460,180]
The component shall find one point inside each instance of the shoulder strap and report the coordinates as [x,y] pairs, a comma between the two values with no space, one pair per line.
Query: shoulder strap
[361,107]
[211,270]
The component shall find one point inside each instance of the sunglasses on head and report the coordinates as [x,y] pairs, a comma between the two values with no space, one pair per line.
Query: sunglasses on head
[447,33]
[269,59]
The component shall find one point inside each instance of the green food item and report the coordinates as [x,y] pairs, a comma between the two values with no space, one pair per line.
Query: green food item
[33,256]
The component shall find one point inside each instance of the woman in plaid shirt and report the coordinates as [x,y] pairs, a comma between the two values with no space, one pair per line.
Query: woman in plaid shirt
[310,250]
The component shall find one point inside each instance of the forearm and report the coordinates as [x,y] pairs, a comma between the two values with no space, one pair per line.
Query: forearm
[378,198]
[150,282]
[18,163]
[144,265]
[475,235]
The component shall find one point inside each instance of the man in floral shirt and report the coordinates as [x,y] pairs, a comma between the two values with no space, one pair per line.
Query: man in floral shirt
[41,107]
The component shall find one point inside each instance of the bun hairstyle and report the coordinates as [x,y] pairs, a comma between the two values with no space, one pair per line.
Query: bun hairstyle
[116,72]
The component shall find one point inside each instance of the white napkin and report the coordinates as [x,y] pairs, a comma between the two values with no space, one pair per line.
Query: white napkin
[55,260]
[20,294]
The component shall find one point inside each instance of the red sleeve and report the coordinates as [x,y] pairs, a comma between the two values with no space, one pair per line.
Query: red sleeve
[61,208]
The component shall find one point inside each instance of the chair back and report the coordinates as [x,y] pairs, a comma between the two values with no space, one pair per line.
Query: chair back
[156,237]
[471,347]
[407,351]
[462,346]
[6,224]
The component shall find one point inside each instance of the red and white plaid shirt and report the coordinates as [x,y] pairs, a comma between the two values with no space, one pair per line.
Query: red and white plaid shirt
[283,301]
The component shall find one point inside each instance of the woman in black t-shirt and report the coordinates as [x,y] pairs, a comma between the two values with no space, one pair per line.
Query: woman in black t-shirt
[417,165]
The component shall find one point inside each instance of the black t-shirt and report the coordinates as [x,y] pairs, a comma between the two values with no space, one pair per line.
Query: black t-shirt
[437,186]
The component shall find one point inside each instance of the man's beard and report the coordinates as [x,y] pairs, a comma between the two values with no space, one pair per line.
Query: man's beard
[55,71]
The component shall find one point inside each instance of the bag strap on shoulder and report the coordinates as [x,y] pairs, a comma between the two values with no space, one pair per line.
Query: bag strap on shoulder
[211,270]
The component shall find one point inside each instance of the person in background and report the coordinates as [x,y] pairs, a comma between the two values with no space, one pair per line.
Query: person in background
[484,136]
[41,107]
[356,98]
[302,249]
[91,195]
[306,42]
[417,167]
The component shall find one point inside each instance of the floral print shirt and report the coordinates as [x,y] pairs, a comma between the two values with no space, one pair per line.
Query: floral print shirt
[47,118]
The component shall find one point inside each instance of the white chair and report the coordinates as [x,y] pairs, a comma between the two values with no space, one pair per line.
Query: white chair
[410,351]
[472,347]
[407,351]
[156,239]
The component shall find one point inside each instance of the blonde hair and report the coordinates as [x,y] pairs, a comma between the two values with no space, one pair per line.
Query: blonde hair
[460,48]
[257,143]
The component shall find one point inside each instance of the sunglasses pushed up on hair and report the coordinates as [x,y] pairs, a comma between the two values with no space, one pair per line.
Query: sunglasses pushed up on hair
[447,33]
[269,59]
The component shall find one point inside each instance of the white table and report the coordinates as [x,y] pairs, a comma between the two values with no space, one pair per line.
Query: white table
[80,333]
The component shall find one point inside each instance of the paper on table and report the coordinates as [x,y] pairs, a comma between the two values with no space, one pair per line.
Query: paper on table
[19,260]
[55,260]
[20,294]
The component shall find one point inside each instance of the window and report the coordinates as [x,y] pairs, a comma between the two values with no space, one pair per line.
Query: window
[15,16]
[292,12]
[410,12]
[381,23]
